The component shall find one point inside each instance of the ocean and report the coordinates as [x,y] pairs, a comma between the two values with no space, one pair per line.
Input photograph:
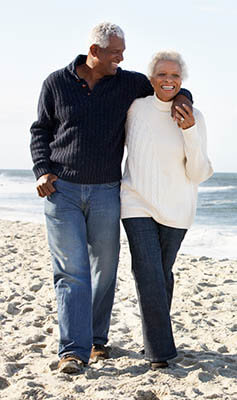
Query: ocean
[213,234]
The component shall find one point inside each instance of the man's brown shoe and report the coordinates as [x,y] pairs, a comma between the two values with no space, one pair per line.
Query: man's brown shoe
[70,364]
[99,352]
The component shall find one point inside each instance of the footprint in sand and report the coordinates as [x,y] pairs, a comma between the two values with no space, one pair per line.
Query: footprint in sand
[145,395]
[11,369]
[3,383]
[34,339]
[13,309]
[205,377]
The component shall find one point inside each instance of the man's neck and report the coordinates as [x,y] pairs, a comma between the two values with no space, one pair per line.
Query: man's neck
[89,73]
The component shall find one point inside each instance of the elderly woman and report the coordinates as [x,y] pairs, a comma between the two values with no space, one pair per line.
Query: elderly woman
[167,159]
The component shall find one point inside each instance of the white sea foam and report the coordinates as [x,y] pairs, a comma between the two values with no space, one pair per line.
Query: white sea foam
[214,241]
[9,187]
[207,189]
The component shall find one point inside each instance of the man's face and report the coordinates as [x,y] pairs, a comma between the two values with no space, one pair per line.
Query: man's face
[109,57]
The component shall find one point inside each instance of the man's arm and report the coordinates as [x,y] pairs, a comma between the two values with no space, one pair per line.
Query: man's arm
[41,136]
[186,93]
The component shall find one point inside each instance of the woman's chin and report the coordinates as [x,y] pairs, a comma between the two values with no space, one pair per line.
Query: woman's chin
[166,97]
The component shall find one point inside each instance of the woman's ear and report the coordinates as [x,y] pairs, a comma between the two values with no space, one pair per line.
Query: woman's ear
[152,81]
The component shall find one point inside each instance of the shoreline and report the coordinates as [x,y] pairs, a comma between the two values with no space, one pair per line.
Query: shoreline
[185,246]
[203,316]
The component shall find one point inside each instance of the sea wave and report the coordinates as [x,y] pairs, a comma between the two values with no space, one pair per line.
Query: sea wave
[16,175]
[203,189]
[214,232]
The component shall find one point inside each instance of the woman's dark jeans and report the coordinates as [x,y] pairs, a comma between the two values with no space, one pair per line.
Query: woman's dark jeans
[153,249]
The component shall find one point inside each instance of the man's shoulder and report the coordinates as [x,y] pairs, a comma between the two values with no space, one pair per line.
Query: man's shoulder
[67,71]
[55,75]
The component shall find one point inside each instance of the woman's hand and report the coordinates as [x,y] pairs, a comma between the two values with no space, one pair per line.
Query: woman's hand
[184,117]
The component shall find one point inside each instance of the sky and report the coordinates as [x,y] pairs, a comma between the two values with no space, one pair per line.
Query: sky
[40,37]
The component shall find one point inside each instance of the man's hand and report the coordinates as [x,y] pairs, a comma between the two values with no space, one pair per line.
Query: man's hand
[45,186]
[185,119]
[179,101]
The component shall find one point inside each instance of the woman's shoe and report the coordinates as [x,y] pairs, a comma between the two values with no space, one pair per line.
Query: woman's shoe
[158,364]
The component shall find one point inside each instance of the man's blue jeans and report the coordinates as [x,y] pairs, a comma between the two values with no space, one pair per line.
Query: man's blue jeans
[153,249]
[83,235]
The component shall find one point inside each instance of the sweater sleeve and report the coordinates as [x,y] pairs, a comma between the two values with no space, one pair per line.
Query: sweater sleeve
[42,133]
[197,165]
[187,93]
[143,85]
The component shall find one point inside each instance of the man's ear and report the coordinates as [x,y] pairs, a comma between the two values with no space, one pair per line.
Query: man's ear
[94,50]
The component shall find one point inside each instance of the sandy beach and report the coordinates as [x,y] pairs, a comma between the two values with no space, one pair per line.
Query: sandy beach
[204,315]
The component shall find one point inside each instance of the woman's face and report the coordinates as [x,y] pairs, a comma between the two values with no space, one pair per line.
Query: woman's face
[166,79]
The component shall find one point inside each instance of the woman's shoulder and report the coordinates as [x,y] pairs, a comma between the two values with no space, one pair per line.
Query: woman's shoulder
[199,120]
[197,114]
[140,103]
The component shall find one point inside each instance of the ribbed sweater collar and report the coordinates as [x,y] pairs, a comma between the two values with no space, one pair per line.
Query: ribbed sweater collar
[81,59]
[162,105]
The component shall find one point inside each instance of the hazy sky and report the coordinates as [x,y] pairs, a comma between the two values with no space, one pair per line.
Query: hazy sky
[40,37]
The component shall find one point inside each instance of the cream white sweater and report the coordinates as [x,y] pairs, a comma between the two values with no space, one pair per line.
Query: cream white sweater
[165,164]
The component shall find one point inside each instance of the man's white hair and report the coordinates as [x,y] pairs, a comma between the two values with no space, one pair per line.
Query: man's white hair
[101,33]
[167,56]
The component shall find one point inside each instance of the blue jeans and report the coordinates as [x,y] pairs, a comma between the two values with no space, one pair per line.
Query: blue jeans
[83,235]
[153,249]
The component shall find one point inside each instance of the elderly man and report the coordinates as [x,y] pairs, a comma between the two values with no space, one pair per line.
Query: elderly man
[77,148]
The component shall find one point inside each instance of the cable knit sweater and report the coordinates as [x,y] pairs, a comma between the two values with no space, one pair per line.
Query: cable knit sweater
[165,164]
[79,134]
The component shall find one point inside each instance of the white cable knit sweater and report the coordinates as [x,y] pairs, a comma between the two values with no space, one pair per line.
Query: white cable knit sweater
[165,164]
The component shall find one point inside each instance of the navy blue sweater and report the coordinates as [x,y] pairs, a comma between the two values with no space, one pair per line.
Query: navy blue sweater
[79,134]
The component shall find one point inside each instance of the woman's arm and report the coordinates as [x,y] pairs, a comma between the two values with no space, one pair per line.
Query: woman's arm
[197,165]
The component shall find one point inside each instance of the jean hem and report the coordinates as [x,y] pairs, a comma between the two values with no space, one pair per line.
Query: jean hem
[100,342]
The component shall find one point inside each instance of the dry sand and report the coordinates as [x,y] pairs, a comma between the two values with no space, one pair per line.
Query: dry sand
[204,317]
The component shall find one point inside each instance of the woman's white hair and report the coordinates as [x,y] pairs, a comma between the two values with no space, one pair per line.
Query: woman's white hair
[167,56]
[101,33]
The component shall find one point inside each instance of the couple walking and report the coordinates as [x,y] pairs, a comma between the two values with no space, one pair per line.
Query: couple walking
[77,147]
